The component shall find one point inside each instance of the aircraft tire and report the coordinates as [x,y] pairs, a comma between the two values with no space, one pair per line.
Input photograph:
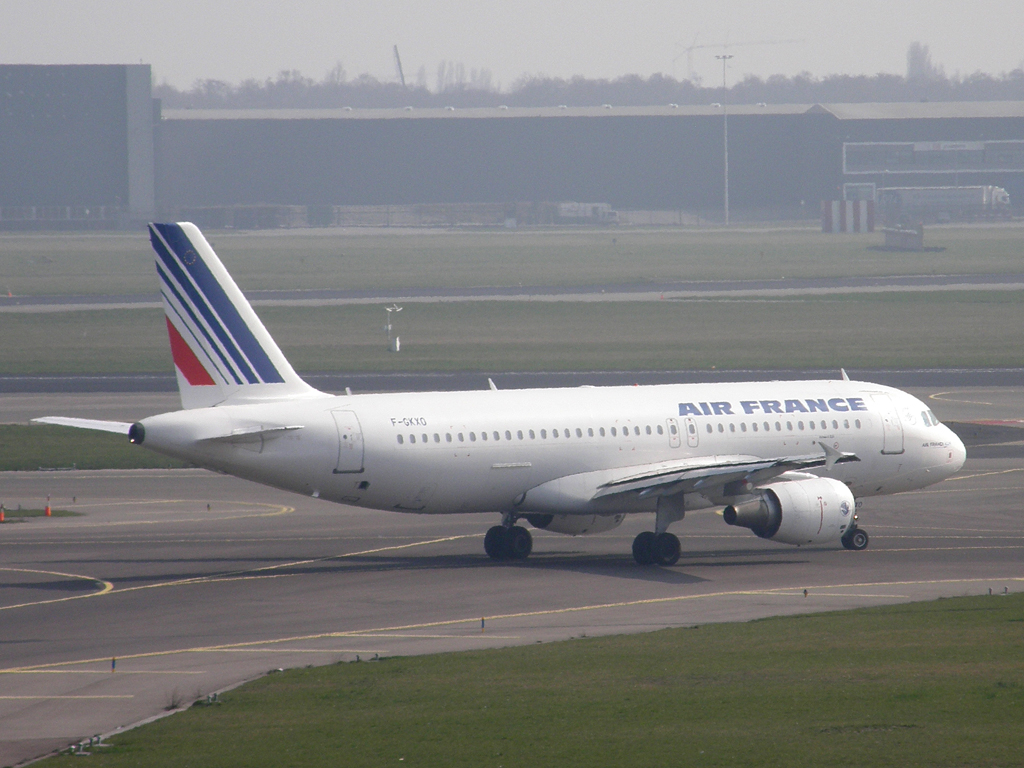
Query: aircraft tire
[518,543]
[494,543]
[857,540]
[665,549]
[643,546]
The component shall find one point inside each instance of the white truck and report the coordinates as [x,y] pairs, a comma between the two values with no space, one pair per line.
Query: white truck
[903,205]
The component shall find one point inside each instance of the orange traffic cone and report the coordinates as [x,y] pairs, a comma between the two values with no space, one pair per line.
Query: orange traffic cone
[1,514]
[48,514]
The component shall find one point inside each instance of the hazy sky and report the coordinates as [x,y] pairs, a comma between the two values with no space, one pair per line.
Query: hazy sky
[236,39]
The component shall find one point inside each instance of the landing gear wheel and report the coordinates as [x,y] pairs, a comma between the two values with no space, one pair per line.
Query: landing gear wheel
[518,543]
[665,549]
[494,543]
[857,540]
[643,546]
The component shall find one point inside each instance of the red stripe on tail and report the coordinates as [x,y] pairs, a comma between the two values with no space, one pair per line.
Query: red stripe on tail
[186,361]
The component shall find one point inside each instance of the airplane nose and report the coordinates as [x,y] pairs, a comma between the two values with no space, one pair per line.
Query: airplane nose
[958,451]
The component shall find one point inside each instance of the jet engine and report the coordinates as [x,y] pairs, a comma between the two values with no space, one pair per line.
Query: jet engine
[576,525]
[807,511]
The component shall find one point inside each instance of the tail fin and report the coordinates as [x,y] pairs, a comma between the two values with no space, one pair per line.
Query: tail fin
[221,349]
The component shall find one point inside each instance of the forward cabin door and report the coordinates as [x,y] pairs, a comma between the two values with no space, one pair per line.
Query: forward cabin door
[692,436]
[892,428]
[350,442]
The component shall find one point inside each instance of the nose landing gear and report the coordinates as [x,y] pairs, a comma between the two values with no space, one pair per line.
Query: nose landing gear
[855,539]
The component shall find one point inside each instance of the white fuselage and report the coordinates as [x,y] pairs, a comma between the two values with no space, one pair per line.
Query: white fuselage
[485,451]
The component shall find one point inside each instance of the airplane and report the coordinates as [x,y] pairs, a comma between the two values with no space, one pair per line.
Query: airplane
[785,459]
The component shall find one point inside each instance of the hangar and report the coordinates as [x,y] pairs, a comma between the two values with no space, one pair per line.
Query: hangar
[83,138]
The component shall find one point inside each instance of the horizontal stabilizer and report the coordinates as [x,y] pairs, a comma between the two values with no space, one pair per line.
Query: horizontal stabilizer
[247,434]
[120,427]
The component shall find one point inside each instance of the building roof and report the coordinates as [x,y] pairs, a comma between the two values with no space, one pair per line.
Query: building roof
[918,110]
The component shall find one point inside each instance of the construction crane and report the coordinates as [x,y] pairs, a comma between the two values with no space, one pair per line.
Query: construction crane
[724,47]
[398,66]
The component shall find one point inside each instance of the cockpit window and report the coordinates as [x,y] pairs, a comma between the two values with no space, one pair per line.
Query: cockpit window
[935,421]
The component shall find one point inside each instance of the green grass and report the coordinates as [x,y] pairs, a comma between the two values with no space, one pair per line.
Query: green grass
[45,446]
[927,684]
[19,514]
[942,329]
[116,263]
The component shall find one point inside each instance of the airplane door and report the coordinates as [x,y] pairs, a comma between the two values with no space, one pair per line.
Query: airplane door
[692,436]
[892,429]
[350,442]
[673,432]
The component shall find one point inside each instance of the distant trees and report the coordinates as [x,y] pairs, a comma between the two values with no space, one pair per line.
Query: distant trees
[458,87]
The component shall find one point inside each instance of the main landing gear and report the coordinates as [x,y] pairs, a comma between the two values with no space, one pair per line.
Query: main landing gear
[650,548]
[659,547]
[508,541]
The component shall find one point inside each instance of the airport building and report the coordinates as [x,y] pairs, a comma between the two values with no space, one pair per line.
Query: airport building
[83,145]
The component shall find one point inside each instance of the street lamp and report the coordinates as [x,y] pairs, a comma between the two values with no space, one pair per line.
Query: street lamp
[724,58]
[393,342]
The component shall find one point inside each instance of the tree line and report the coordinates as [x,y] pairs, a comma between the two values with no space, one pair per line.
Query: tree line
[293,90]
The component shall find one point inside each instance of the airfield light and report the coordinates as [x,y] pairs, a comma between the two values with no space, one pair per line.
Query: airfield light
[394,345]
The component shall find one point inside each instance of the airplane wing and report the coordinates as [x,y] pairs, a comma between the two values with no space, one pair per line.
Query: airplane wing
[704,473]
[120,427]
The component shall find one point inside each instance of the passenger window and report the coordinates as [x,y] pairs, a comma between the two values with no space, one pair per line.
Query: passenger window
[824,424]
[412,438]
[497,436]
[743,426]
[543,434]
[448,437]
[401,440]
[590,431]
[754,426]
[601,431]
[579,432]
[835,424]
[424,436]
[720,427]
[732,427]
[673,429]
[789,426]
[857,423]
[461,438]
[778,427]
[636,431]
[437,438]
[554,433]
[483,435]
[767,427]
[472,437]
[710,430]
[846,423]
[533,435]
[648,429]
[519,434]
[660,430]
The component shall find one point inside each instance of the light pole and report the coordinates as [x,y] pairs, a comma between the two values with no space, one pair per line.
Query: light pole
[393,342]
[724,58]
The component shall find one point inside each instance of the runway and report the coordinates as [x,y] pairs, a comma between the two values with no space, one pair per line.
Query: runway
[191,598]
[783,287]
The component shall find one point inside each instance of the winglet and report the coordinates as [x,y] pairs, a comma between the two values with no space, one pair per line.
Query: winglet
[494,387]
[845,377]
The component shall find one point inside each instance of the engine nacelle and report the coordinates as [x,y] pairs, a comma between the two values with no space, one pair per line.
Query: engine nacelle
[807,511]
[576,525]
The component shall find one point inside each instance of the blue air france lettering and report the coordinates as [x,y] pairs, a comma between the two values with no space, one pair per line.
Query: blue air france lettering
[616,451]
[751,407]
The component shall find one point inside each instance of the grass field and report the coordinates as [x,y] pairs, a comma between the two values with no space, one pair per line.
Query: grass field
[45,446]
[927,684]
[969,329]
[118,263]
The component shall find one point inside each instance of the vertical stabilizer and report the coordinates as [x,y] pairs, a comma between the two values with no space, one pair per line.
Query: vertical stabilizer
[221,349]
